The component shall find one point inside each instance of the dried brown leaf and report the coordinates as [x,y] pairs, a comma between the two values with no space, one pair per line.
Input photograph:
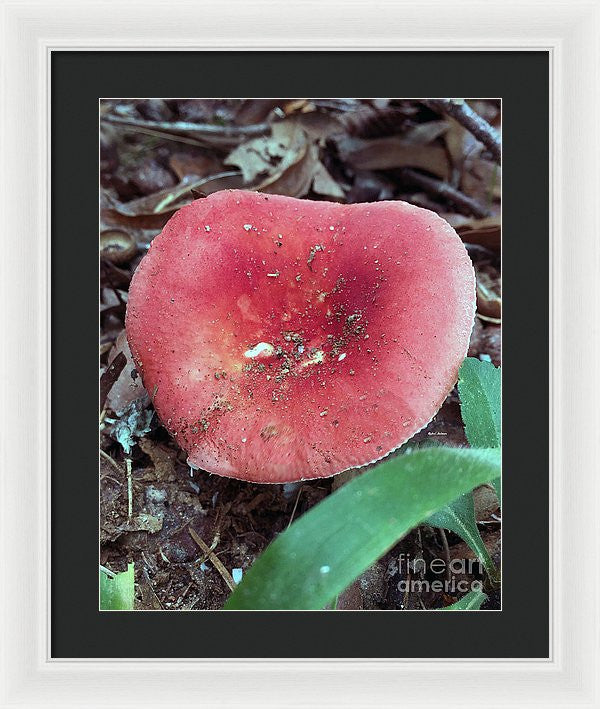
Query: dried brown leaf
[110,376]
[270,155]
[154,211]
[484,232]
[185,164]
[424,133]
[127,387]
[319,125]
[489,301]
[389,153]
[324,184]
[163,459]
[481,179]
[295,180]
[255,110]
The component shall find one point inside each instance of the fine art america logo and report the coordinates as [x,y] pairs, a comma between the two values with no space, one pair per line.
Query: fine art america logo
[413,572]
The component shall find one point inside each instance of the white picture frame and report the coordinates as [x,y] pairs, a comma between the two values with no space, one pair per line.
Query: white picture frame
[570,32]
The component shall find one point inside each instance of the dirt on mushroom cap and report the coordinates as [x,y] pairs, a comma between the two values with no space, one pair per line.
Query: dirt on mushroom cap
[288,339]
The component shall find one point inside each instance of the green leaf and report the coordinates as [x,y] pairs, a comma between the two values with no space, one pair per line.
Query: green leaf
[459,517]
[471,602]
[117,593]
[497,483]
[335,541]
[479,386]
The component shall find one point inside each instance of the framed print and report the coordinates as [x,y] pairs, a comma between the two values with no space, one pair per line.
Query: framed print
[244,413]
[337,301]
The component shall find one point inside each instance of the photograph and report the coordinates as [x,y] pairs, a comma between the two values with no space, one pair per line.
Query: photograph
[300,337]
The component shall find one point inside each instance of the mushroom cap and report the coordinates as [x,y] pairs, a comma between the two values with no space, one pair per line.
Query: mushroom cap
[286,339]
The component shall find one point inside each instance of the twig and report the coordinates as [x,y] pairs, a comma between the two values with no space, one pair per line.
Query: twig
[185,593]
[108,572]
[216,562]
[406,590]
[295,506]
[129,488]
[110,477]
[148,584]
[187,127]
[472,121]
[111,461]
[437,188]
[446,553]
[197,142]
[188,187]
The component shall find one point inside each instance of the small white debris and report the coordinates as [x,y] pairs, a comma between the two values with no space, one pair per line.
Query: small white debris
[289,489]
[247,227]
[236,575]
[273,275]
[325,569]
[300,349]
[206,228]
[262,349]
[323,413]
[203,567]
[331,228]
[342,357]
[244,440]
[317,358]
[485,357]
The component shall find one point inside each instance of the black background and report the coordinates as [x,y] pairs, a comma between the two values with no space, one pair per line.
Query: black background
[79,79]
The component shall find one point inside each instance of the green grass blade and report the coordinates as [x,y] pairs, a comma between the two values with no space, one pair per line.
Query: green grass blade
[335,541]
[479,385]
[497,483]
[471,602]
[117,594]
[459,517]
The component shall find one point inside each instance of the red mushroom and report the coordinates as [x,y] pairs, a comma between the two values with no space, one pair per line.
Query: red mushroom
[285,339]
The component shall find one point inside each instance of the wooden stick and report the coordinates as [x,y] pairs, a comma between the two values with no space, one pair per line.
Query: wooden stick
[473,122]
[186,127]
[214,559]
[437,188]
